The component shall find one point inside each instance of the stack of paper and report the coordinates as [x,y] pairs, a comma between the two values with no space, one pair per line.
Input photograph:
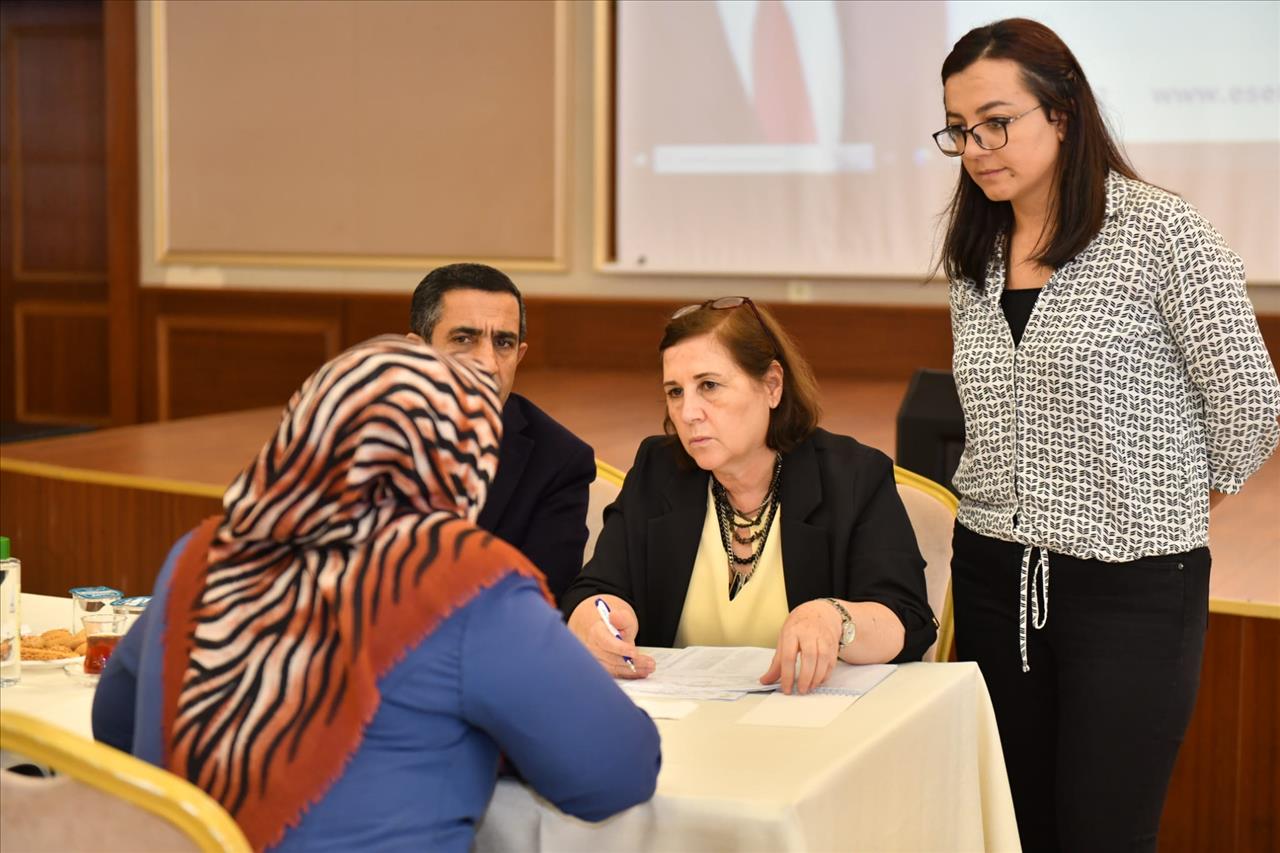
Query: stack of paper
[819,708]
[704,672]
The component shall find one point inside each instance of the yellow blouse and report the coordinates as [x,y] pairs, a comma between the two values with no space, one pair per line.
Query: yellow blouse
[756,614]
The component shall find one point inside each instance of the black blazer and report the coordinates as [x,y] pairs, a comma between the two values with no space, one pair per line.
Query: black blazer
[845,534]
[538,502]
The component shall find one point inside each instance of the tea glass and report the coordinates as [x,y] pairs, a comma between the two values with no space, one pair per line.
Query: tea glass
[102,632]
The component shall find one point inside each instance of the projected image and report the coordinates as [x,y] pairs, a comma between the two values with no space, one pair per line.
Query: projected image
[790,66]
[791,137]
[1176,72]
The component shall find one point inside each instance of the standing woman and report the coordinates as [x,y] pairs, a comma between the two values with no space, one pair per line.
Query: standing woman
[1114,384]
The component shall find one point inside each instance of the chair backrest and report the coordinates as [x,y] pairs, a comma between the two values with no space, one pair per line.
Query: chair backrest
[604,491]
[102,799]
[932,510]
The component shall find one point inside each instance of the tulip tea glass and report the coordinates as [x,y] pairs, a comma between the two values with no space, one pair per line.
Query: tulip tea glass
[102,632]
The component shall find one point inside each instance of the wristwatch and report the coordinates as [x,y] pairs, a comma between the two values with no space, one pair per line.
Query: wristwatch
[848,630]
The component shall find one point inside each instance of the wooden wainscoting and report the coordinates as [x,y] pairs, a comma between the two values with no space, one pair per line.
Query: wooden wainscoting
[212,364]
[855,341]
[206,352]
[60,374]
[1270,326]
[77,533]
[1226,784]
[57,160]
[218,351]
[52,213]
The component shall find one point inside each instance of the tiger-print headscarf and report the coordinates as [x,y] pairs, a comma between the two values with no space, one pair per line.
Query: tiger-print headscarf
[345,543]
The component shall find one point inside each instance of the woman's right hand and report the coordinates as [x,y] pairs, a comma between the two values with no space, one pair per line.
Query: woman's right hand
[585,624]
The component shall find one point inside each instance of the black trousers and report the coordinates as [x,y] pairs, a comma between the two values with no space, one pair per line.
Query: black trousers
[1091,732]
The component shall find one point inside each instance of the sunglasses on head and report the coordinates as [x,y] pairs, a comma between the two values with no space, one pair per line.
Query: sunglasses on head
[726,303]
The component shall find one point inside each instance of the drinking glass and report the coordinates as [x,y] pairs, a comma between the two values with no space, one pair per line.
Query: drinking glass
[102,632]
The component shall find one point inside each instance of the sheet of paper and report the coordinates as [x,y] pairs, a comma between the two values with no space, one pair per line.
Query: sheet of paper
[811,711]
[856,680]
[637,690]
[665,709]
[704,672]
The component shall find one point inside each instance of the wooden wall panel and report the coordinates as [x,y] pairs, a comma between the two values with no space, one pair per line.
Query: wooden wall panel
[865,341]
[1258,805]
[60,374]
[208,364]
[240,349]
[52,216]
[57,153]
[121,130]
[1197,813]
[365,317]
[884,342]
[1226,784]
[63,521]
[856,341]
[597,334]
[217,351]
[1270,326]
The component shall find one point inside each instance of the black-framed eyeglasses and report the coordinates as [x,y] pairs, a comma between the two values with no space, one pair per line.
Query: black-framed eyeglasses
[725,303]
[990,135]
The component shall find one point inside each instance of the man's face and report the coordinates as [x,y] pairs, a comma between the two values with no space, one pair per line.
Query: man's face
[484,329]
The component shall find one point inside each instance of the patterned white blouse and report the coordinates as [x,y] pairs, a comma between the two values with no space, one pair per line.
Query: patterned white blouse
[1141,383]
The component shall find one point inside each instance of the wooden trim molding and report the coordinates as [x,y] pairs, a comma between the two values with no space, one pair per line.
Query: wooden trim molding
[603,249]
[23,309]
[1253,609]
[120,59]
[18,268]
[563,130]
[166,325]
[159,129]
[107,478]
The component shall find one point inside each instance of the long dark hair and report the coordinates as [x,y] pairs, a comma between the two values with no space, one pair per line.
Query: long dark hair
[1079,197]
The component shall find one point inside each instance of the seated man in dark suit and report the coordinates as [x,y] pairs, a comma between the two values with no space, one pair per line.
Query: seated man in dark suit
[539,500]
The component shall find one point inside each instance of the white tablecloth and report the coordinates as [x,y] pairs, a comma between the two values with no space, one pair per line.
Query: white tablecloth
[913,765]
[49,694]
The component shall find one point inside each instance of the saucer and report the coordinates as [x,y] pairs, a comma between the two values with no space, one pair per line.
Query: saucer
[75,671]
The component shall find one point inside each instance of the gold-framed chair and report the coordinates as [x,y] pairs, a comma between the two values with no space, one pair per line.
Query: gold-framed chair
[932,510]
[101,799]
[604,491]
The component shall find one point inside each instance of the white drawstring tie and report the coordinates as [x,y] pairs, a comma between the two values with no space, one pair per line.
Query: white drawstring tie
[1028,590]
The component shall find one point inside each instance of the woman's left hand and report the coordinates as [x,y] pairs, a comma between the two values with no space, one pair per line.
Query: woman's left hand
[812,632]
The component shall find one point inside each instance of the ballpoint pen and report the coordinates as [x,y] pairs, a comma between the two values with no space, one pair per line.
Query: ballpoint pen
[603,610]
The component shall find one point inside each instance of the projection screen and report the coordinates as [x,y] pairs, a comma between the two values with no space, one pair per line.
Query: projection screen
[792,137]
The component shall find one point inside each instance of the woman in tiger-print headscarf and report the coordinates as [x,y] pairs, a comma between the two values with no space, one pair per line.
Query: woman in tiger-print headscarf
[337,658]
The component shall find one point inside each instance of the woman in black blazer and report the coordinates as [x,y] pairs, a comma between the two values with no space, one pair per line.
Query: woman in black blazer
[748,525]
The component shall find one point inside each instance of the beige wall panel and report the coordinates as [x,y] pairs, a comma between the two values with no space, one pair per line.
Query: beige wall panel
[330,129]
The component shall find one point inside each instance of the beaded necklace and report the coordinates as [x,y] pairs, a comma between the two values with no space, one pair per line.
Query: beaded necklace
[732,521]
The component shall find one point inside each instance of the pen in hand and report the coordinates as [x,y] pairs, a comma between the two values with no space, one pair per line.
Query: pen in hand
[603,609]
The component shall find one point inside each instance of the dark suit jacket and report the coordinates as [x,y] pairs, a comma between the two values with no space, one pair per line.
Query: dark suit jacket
[538,502]
[845,534]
